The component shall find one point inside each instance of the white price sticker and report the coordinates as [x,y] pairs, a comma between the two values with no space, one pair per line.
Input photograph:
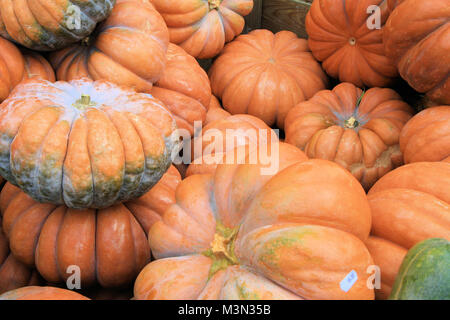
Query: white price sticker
[349,280]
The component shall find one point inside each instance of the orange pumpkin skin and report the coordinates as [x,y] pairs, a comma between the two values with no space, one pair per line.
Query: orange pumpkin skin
[243,235]
[215,112]
[409,204]
[49,25]
[339,36]
[426,137]
[42,293]
[202,27]
[416,37]
[55,237]
[111,147]
[265,75]
[129,48]
[363,139]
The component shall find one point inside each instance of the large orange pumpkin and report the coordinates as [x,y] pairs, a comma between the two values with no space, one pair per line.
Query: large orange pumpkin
[129,48]
[108,245]
[416,37]
[265,75]
[426,137]
[42,293]
[409,204]
[294,233]
[358,130]
[15,67]
[84,143]
[50,25]
[340,37]
[202,27]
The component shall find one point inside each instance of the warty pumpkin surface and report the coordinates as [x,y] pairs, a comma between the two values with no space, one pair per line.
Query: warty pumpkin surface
[265,75]
[350,51]
[358,130]
[85,144]
[417,37]
[129,48]
[409,204]
[109,245]
[239,234]
[202,27]
[42,293]
[51,25]
[426,137]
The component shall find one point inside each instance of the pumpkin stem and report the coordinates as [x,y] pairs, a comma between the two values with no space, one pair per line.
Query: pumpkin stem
[352,41]
[84,102]
[351,123]
[214,4]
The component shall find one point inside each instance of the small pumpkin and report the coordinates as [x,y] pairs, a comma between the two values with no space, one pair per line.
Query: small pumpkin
[51,25]
[426,137]
[129,48]
[202,27]
[409,204]
[265,75]
[42,293]
[293,233]
[358,130]
[55,237]
[425,272]
[416,38]
[340,37]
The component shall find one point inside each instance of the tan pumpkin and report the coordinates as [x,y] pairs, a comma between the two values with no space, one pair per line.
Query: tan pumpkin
[294,233]
[42,293]
[56,237]
[358,130]
[409,204]
[265,75]
[426,137]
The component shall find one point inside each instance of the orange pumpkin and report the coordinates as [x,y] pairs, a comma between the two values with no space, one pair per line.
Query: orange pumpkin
[42,293]
[55,237]
[129,48]
[50,25]
[409,204]
[416,37]
[265,75]
[15,67]
[340,37]
[82,143]
[241,234]
[358,130]
[426,137]
[215,112]
[202,27]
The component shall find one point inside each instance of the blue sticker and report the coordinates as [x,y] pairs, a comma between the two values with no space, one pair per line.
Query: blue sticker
[349,280]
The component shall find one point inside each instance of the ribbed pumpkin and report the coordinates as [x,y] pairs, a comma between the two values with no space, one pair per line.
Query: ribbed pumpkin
[129,48]
[42,293]
[265,75]
[340,37]
[358,130]
[295,233]
[82,143]
[416,37]
[426,137]
[109,245]
[202,27]
[409,204]
[15,67]
[50,25]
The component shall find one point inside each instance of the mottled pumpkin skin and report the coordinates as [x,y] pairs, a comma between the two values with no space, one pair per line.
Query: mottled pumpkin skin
[409,204]
[54,237]
[363,138]
[202,27]
[426,137]
[265,75]
[351,52]
[416,37]
[129,48]
[16,66]
[85,155]
[42,293]
[239,234]
[50,25]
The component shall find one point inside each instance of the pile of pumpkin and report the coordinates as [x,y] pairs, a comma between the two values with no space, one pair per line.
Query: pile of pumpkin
[89,182]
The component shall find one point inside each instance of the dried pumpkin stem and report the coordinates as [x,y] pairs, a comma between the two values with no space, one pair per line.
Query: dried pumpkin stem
[84,102]
[214,4]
